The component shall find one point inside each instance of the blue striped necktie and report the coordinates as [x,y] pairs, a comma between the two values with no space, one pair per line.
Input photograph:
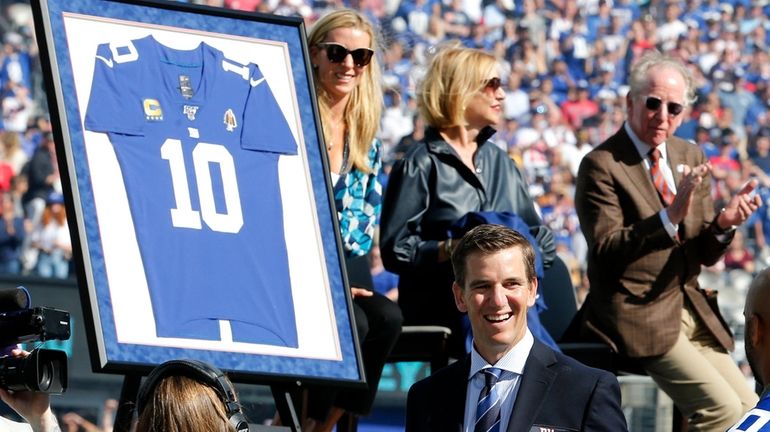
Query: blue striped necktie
[488,407]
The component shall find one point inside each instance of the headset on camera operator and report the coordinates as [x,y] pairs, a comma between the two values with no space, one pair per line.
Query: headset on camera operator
[183,395]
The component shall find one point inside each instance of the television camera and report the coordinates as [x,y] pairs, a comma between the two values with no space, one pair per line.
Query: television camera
[43,370]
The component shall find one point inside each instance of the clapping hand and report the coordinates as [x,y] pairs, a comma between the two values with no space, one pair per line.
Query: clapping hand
[691,179]
[740,207]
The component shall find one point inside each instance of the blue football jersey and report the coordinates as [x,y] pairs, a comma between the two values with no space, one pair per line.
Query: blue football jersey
[198,138]
[756,420]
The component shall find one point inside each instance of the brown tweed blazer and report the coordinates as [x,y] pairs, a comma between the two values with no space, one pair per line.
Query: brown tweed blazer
[640,277]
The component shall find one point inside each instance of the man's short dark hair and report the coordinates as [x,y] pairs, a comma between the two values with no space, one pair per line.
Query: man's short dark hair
[488,239]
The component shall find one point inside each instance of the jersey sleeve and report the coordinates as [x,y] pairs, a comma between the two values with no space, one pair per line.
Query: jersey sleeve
[264,126]
[113,106]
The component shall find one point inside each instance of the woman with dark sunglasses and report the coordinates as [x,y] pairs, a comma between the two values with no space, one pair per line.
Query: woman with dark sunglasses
[347,81]
[455,171]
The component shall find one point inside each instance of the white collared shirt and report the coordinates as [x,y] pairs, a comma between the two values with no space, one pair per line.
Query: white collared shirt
[12,426]
[512,365]
[665,169]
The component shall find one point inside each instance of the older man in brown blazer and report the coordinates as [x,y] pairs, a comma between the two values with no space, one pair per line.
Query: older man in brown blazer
[644,202]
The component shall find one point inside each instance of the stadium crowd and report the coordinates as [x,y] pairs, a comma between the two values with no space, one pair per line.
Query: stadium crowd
[565,65]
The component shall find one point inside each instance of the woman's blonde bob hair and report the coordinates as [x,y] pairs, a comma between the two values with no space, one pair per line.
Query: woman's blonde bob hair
[364,107]
[454,75]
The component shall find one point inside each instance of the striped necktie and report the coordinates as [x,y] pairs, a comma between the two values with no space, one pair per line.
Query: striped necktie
[666,194]
[488,407]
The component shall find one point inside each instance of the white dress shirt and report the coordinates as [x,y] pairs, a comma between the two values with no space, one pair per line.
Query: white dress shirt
[12,426]
[512,365]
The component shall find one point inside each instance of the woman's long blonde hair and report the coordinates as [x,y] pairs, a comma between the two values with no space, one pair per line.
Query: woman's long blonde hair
[364,107]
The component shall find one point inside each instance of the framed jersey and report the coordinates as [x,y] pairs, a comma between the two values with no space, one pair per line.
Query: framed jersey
[189,144]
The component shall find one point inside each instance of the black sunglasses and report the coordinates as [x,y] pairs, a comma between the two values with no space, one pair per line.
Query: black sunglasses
[493,83]
[336,53]
[653,104]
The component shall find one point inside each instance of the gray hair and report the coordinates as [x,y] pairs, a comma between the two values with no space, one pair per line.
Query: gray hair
[652,59]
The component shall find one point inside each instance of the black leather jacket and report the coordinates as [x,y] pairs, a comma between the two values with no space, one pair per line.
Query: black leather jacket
[431,188]
[427,192]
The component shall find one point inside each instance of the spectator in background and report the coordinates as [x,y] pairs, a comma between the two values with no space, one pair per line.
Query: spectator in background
[457,23]
[516,103]
[759,225]
[396,121]
[738,256]
[408,141]
[6,173]
[16,63]
[562,81]
[734,97]
[244,5]
[706,144]
[641,40]
[36,132]
[17,107]
[455,171]
[42,176]
[672,29]
[644,202]
[52,240]
[416,15]
[609,120]
[579,106]
[74,422]
[533,20]
[12,235]
[727,159]
[19,187]
[12,151]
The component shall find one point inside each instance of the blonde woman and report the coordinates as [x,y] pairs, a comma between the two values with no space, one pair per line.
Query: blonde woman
[454,171]
[342,48]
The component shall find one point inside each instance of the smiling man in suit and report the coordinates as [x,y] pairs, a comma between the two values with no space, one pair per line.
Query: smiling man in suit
[510,381]
[643,198]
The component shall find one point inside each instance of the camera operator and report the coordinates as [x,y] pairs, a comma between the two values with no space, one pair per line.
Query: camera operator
[35,407]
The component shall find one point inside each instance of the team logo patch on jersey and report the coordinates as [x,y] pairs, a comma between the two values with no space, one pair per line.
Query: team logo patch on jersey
[230,121]
[189,111]
[152,109]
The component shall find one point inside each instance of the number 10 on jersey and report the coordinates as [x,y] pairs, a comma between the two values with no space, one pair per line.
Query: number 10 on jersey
[183,216]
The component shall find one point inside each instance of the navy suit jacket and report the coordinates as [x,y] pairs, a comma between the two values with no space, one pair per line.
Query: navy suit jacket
[557,393]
